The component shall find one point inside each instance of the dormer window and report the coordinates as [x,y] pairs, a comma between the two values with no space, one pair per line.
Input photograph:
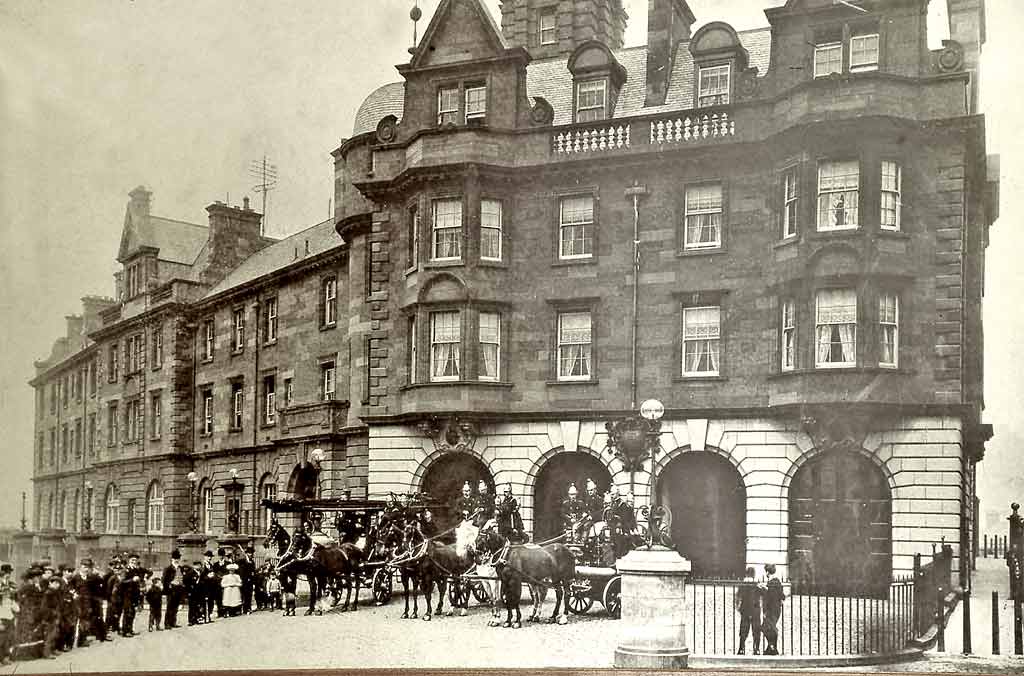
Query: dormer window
[828,58]
[134,280]
[447,105]
[714,86]
[591,97]
[476,102]
[847,48]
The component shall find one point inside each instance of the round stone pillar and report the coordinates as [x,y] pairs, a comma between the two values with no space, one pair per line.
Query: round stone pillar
[653,599]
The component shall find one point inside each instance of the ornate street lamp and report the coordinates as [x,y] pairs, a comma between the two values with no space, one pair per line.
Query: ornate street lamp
[633,440]
[193,516]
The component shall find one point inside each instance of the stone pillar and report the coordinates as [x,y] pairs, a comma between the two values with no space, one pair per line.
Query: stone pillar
[191,546]
[653,601]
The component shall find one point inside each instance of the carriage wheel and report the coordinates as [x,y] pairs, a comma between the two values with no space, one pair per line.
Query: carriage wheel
[578,602]
[480,592]
[458,593]
[382,585]
[612,597]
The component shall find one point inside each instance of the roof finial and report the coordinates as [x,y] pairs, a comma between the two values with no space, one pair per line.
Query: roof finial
[415,14]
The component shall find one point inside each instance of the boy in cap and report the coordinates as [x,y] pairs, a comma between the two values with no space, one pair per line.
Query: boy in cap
[112,581]
[155,601]
[773,597]
[68,609]
[49,616]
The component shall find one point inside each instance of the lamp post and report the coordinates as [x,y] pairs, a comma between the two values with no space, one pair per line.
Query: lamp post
[24,521]
[193,517]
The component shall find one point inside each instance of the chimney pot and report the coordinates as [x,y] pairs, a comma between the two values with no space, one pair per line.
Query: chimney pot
[245,203]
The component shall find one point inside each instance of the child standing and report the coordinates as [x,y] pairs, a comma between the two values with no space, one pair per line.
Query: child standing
[8,608]
[155,601]
[273,590]
[232,586]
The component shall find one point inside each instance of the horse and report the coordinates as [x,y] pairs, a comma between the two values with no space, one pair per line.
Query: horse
[535,565]
[323,564]
[401,543]
[434,562]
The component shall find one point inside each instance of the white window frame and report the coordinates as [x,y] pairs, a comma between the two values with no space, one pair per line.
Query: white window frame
[330,291]
[450,223]
[891,199]
[707,333]
[577,219]
[270,320]
[207,411]
[476,109]
[413,349]
[700,202]
[414,236]
[207,498]
[834,315]
[827,50]
[328,371]
[829,184]
[209,336]
[112,506]
[593,110]
[718,95]
[238,333]
[889,322]
[543,16]
[447,97]
[868,64]
[237,405]
[155,509]
[567,343]
[445,330]
[787,356]
[156,408]
[490,339]
[491,225]
[790,202]
[269,400]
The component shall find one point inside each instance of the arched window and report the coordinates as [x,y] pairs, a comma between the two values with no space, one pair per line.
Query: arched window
[268,491]
[155,509]
[206,507]
[113,509]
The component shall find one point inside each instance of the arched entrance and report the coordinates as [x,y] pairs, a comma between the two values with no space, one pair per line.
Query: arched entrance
[443,481]
[708,502]
[840,526]
[304,482]
[553,481]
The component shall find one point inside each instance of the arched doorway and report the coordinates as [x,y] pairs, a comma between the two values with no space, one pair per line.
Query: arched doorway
[840,526]
[708,502]
[553,481]
[444,479]
[304,482]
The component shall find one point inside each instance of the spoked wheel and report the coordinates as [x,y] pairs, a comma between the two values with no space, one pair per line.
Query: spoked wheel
[611,598]
[480,592]
[579,602]
[458,593]
[382,585]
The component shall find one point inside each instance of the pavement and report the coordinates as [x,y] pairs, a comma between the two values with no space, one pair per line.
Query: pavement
[991,575]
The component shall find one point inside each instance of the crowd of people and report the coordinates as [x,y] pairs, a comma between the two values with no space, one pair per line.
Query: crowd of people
[59,607]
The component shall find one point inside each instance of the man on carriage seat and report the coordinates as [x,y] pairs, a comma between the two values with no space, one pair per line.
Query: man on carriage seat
[316,533]
[465,505]
[426,525]
[574,516]
[485,505]
[510,523]
[593,502]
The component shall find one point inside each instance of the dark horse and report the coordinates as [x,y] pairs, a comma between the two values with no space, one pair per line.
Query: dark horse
[322,565]
[430,562]
[533,564]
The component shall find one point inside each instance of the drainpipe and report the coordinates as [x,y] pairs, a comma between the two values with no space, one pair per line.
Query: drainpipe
[635,192]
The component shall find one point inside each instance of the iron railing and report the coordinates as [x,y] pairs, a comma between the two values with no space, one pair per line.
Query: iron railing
[822,623]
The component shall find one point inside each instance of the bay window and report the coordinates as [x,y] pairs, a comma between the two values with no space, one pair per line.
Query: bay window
[891,197]
[838,194]
[490,345]
[447,230]
[888,330]
[490,230]
[835,328]
[445,344]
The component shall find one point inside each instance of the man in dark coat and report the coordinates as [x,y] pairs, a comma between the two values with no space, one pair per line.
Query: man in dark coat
[573,515]
[220,566]
[30,601]
[174,586]
[510,523]
[594,502]
[48,616]
[112,584]
[68,609]
[195,589]
[485,505]
[773,597]
[748,605]
[91,591]
[131,594]
[465,505]
[209,583]
[247,571]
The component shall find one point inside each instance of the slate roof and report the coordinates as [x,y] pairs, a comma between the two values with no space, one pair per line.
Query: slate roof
[178,241]
[551,79]
[281,254]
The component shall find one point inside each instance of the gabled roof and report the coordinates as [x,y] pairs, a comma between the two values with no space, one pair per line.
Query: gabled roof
[280,255]
[551,79]
[176,241]
[439,25]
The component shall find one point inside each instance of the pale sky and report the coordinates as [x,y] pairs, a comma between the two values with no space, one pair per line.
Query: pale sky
[98,96]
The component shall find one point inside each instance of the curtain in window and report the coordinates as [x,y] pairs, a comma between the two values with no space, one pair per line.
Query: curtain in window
[574,345]
[445,340]
[701,334]
[836,328]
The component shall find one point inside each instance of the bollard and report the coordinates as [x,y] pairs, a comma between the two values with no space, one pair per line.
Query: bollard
[995,623]
[940,618]
[967,622]
[1018,644]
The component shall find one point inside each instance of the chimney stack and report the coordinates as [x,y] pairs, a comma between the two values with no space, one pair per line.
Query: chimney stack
[140,201]
[668,22]
[555,28]
[234,236]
